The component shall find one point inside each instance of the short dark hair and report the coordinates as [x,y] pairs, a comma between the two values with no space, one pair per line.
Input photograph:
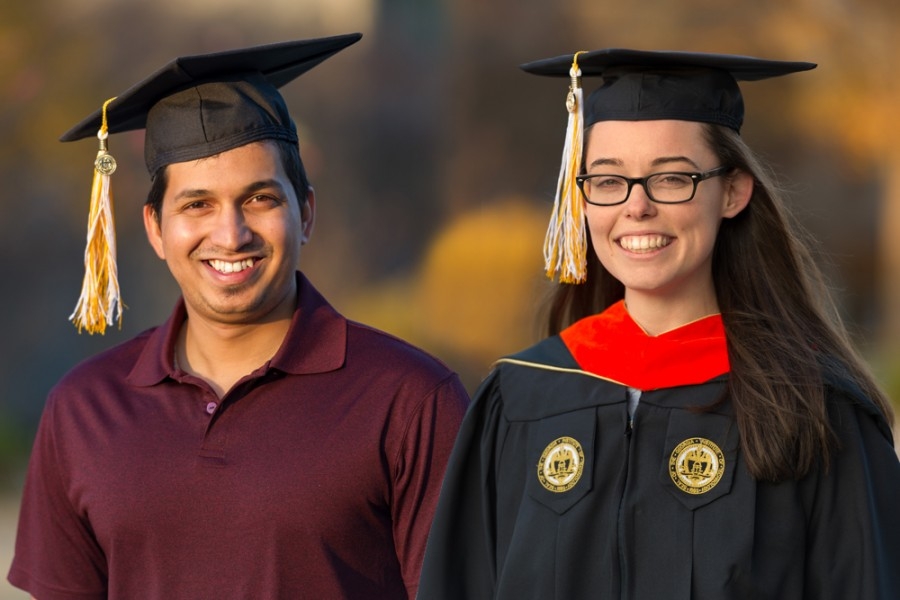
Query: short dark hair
[290,160]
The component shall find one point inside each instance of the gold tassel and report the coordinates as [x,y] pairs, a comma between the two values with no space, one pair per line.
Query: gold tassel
[100,298]
[565,245]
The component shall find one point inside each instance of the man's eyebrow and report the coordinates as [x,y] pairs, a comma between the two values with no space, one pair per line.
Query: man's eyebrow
[190,194]
[264,184]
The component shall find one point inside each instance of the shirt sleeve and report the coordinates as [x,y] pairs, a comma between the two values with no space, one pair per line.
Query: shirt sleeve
[460,560]
[854,533]
[56,554]
[418,471]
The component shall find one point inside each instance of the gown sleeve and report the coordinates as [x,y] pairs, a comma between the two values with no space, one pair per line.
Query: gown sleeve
[854,539]
[460,555]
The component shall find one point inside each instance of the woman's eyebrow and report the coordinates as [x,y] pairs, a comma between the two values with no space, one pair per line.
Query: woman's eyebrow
[657,162]
[666,160]
[604,162]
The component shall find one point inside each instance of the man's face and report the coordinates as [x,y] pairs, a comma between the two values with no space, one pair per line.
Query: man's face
[230,230]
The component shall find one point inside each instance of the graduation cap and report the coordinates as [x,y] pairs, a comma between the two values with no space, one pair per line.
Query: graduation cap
[193,107]
[638,85]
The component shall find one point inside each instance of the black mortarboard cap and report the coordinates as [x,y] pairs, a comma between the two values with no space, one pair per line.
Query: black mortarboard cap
[640,85]
[197,106]
[194,107]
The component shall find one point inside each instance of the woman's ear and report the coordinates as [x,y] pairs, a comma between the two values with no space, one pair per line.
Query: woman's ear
[737,193]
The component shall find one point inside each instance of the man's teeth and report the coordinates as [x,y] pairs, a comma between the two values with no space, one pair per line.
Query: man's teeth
[223,266]
[638,243]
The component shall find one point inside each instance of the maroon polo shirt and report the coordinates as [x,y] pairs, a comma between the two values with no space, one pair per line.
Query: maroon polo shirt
[315,477]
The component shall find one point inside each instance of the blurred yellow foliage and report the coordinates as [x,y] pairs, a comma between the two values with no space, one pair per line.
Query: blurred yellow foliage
[476,292]
[479,285]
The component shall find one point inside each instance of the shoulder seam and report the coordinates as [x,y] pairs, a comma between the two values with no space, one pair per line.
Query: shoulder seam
[432,393]
[534,365]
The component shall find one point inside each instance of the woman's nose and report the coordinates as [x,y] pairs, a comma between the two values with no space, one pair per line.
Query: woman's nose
[638,204]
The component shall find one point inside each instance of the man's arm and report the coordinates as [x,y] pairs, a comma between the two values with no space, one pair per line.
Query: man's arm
[419,472]
[56,552]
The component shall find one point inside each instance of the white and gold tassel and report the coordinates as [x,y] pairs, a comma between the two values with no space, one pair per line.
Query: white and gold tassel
[565,245]
[100,303]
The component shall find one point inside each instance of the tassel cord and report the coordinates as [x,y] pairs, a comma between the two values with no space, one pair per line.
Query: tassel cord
[565,244]
[100,303]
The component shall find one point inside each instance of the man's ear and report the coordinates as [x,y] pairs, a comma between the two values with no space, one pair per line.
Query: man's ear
[154,234]
[738,192]
[307,216]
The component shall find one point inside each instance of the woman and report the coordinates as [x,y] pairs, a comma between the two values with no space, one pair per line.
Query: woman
[697,425]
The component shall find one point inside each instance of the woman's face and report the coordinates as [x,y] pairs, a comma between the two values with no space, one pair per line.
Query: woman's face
[661,252]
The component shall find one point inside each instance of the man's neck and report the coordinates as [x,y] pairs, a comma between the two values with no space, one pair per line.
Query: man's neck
[222,354]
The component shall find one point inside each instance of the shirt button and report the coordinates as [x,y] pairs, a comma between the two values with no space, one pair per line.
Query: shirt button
[211,407]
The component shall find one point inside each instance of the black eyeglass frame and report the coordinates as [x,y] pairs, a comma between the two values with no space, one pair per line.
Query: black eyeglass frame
[696,178]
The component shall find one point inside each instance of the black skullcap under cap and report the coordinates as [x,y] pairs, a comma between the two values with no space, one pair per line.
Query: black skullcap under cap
[202,105]
[643,85]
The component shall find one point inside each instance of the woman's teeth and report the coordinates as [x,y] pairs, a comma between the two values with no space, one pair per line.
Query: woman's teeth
[644,243]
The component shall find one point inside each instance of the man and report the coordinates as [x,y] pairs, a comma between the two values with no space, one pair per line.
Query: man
[257,444]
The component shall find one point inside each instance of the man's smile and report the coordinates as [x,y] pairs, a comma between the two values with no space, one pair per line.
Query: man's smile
[224,266]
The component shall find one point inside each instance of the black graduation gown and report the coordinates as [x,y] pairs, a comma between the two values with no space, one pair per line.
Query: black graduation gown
[624,528]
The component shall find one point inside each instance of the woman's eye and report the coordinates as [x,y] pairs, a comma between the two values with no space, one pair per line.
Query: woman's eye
[673,179]
[606,182]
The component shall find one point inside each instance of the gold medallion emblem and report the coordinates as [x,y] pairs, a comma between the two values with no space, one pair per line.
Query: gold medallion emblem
[561,464]
[696,465]
[105,163]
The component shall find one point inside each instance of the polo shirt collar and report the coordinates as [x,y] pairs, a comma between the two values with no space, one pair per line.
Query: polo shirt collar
[316,341]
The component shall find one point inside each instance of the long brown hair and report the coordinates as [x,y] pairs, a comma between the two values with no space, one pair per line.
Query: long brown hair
[783,331]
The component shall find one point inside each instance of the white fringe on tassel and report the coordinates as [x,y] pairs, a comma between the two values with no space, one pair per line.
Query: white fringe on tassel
[564,244]
[100,303]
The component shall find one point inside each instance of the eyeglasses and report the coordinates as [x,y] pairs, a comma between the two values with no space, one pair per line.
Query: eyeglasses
[665,188]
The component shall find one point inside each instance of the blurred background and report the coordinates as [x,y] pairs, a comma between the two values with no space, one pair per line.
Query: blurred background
[434,160]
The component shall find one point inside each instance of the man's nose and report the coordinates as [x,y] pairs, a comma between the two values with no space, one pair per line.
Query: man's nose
[231,230]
